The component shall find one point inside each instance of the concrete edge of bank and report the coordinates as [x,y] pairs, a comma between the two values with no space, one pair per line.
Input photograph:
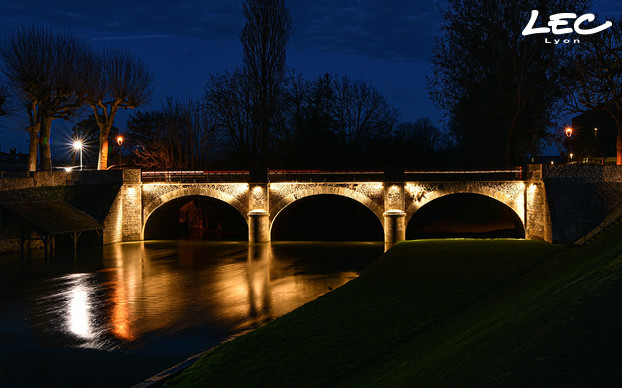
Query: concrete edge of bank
[161,378]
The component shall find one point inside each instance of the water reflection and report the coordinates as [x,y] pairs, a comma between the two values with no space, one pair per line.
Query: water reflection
[179,297]
[78,308]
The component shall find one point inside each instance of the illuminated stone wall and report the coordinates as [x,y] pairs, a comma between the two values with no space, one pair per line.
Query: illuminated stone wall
[580,197]
[393,203]
[370,194]
[124,219]
[510,193]
[154,195]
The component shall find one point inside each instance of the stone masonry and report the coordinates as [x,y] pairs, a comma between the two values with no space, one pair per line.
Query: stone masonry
[542,200]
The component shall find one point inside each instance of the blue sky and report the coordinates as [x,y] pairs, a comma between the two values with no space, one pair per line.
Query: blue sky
[386,42]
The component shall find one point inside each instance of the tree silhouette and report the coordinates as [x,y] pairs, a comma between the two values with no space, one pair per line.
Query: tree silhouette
[264,40]
[361,114]
[500,90]
[228,101]
[46,69]
[598,70]
[4,95]
[179,136]
[119,80]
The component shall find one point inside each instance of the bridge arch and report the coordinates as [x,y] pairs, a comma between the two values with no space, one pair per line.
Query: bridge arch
[341,191]
[461,214]
[511,195]
[191,191]
[326,217]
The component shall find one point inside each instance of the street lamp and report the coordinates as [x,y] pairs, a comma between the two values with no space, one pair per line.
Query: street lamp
[77,145]
[119,142]
[568,132]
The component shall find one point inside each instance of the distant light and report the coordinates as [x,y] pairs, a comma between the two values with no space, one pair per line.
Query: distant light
[119,140]
[552,162]
[571,155]
[68,169]
[568,131]
[595,129]
[78,145]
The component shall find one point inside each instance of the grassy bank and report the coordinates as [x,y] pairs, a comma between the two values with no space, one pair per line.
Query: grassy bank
[453,312]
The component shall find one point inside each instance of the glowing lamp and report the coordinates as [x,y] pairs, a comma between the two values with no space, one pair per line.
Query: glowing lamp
[568,131]
[119,140]
[77,145]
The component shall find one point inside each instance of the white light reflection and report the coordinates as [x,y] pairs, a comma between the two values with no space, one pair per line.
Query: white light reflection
[79,309]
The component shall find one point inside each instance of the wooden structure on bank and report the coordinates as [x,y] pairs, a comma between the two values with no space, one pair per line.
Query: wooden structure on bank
[48,219]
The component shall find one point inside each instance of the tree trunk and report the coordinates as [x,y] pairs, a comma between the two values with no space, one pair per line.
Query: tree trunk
[102,163]
[104,130]
[45,153]
[619,146]
[33,147]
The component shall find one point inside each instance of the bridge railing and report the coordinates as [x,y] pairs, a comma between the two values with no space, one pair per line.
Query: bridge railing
[465,175]
[329,176]
[325,176]
[195,176]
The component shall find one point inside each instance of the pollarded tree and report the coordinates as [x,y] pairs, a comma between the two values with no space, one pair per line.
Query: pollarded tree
[120,80]
[500,90]
[598,71]
[264,40]
[47,71]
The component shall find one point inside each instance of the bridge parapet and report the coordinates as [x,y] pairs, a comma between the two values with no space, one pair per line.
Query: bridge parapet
[393,201]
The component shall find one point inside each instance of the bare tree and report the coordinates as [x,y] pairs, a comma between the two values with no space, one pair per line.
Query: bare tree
[179,136]
[4,95]
[422,133]
[264,44]
[360,112]
[46,69]
[119,80]
[598,71]
[228,101]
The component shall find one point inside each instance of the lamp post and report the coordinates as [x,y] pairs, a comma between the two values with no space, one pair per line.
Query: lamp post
[568,132]
[77,145]
[119,142]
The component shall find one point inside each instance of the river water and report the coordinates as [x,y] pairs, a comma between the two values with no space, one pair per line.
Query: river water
[115,315]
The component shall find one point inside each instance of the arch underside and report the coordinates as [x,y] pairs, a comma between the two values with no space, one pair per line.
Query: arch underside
[512,197]
[326,190]
[189,192]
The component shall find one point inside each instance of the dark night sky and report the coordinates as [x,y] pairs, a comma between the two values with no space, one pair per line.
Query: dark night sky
[387,43]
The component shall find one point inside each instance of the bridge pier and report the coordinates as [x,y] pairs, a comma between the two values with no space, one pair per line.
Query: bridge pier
[259,205]
[258,226]
[394,206]
[394,226]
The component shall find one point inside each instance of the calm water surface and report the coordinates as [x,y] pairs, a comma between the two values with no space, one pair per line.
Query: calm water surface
[134,307]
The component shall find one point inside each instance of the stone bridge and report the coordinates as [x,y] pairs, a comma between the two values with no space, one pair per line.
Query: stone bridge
[260,200]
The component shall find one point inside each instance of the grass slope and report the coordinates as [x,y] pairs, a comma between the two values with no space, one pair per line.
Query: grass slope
[452,312]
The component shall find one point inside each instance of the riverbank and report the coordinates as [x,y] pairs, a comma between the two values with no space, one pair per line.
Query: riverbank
[459,312]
